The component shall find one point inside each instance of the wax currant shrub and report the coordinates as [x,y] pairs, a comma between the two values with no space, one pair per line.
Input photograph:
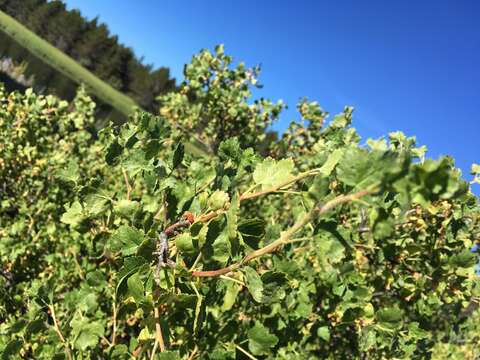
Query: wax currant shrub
[342,251]
[325,249]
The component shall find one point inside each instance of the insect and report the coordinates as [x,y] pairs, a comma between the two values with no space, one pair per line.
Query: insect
[162,251]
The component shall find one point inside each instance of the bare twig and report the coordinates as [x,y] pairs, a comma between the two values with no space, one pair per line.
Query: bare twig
[158,330]
[247,354]
[154,350]
[194,352]
[232,279]
[127,183]
[114,330]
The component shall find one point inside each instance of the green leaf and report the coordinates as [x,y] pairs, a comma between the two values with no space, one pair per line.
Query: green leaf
[152,148]
[332,161]
[87,301]
[230,149]
[254,283]
[119,351]
[360,168]
[71,173]
[130,265]
[431,181]
[17,326]
[304,304]
[324,333]
[137,162]
[319,188]
[126,239]
[114,150]
[230,295]
[74,215]
[271,173]
[232,217]
[89,337]
[13,347]
[221,249]
[475,170]
[96,204]
[96,279]
[464,259]
[35,327]
[273,286]
[390,318]
[260,340]
[252,231]
[178,155]
[383,225]
[202,236]
[86,333]
[136,288]
[222,354]
[417,332]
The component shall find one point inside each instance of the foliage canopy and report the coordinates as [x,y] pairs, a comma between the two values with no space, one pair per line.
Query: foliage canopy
[323,247]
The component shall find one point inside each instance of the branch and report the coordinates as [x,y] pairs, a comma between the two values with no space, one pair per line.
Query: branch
[286,235]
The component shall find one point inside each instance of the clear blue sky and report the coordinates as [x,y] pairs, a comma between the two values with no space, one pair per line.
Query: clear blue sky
[404,65]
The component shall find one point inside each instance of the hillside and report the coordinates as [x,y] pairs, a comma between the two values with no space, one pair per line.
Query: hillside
[89,43]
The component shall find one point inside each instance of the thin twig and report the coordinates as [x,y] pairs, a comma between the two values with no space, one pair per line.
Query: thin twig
[59,332]
[194,352]
[247,354]
[154,350]
[232,279]
[195,263]
[158,330]
[127,183]
[286,235]
[107,341]
[114,330]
